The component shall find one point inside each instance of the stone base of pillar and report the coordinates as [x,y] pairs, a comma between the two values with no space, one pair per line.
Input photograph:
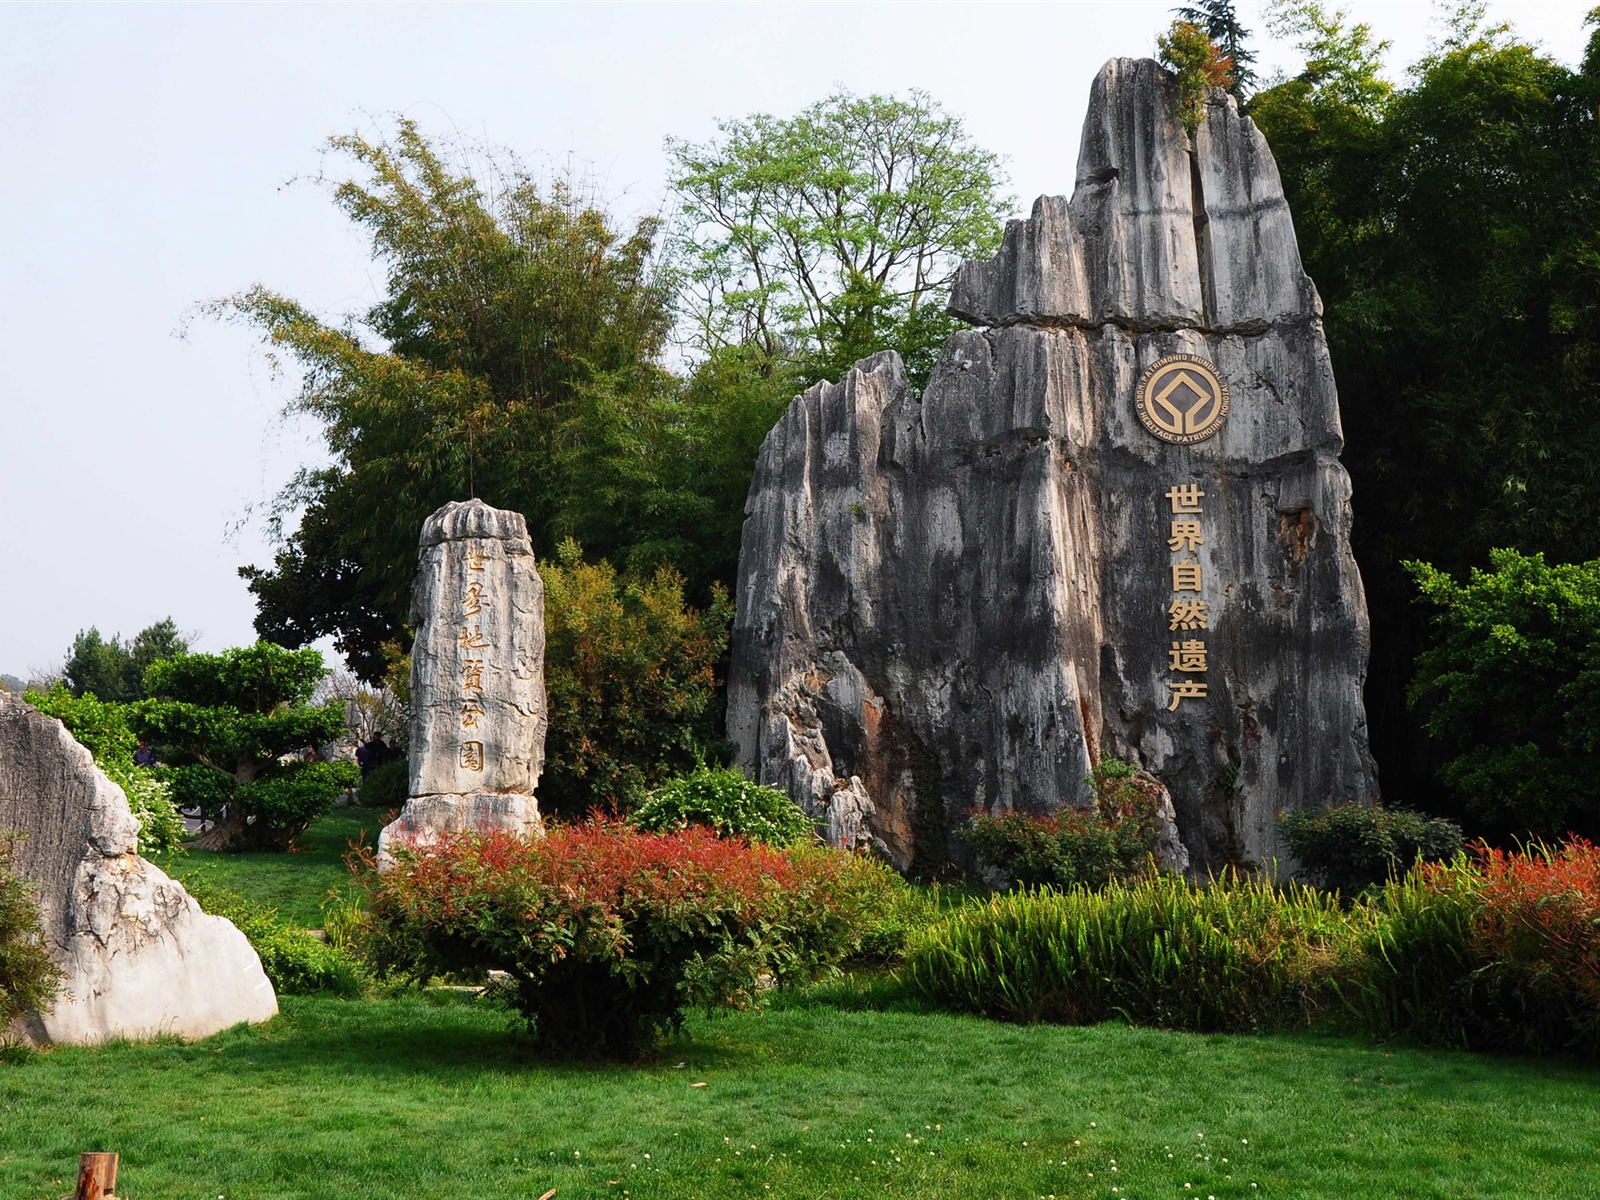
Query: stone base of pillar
[425,819]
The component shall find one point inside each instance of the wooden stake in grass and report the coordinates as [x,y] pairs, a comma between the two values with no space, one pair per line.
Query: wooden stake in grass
[97,1177]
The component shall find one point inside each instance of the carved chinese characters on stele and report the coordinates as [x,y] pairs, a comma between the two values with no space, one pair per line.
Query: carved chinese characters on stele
[1183,399]
[477,676]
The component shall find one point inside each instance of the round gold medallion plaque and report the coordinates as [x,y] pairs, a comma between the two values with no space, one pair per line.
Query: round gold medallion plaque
[1182,398]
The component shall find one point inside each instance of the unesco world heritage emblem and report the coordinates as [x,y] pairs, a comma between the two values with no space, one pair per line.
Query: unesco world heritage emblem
[1181,398]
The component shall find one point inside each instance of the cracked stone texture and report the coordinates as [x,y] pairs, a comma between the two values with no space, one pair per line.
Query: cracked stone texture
[139,956]
[959,601]
[478,611]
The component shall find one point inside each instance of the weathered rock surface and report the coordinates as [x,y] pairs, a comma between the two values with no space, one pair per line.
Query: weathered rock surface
[960,601]
[140,957]
[478,713]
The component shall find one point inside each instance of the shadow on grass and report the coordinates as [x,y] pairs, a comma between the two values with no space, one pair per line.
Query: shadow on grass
[419,1036]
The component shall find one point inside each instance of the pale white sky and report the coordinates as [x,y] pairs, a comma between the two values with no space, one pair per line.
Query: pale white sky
[146,153]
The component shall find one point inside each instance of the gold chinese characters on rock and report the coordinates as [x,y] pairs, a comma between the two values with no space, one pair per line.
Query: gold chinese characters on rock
[1188,612]
[1183,399]
[471,643]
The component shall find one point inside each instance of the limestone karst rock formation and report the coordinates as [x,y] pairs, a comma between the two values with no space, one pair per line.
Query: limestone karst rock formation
[959,601]
[140,957]
[477,677]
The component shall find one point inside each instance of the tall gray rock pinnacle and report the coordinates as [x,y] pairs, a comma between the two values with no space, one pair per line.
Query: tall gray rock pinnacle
[478,714]
[139,957]
[1114,525]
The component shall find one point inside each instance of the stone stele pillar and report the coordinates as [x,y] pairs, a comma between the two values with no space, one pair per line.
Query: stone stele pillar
[478,714]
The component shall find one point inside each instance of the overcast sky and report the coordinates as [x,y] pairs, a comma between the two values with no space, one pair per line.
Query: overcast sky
[148,154]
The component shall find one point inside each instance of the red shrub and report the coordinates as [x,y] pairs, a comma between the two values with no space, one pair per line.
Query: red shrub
[608,932]
[1494,951]
[1540,917]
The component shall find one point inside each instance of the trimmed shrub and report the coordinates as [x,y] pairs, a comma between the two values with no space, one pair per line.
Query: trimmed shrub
[1114,840]
[198,788]
[1237,954]
[607,933]
[387,785]
[728,804]
[29,977]
[297,962]
[1351,847]
[282,802]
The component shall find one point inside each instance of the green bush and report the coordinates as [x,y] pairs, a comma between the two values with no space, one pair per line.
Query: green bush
[387,785]
[283,801]
[630,669]
[1351,847]
[1418,968]
[1508,681]
[199,788]
[1236,954]
[104,730]
[29,977]
[727,803]
[896,913]
[297,962]
[1114,840]
[608,934]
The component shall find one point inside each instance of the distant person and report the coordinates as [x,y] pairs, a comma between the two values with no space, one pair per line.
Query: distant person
[145,755]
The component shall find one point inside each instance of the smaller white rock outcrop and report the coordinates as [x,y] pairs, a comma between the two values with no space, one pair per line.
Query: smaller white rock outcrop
[140,957]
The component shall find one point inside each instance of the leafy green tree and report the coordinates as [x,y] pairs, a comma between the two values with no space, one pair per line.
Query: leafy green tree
[1220,23]
[517,342]
[1510,685]
[239,712]
[824,237]
[630,669]
[114,672]
[1450,225]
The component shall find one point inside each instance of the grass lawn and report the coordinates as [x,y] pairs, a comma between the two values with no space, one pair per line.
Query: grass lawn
[295,883]
[405,1098]
[822,1096]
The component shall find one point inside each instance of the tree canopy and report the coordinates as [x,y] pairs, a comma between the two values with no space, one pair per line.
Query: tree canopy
[113,671]
[519,350]
[1451,226]
[824,237]
[1511,690]
[518,329]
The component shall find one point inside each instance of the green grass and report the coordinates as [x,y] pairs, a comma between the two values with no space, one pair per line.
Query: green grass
[295,883]
[411,1098]
[404,1098]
